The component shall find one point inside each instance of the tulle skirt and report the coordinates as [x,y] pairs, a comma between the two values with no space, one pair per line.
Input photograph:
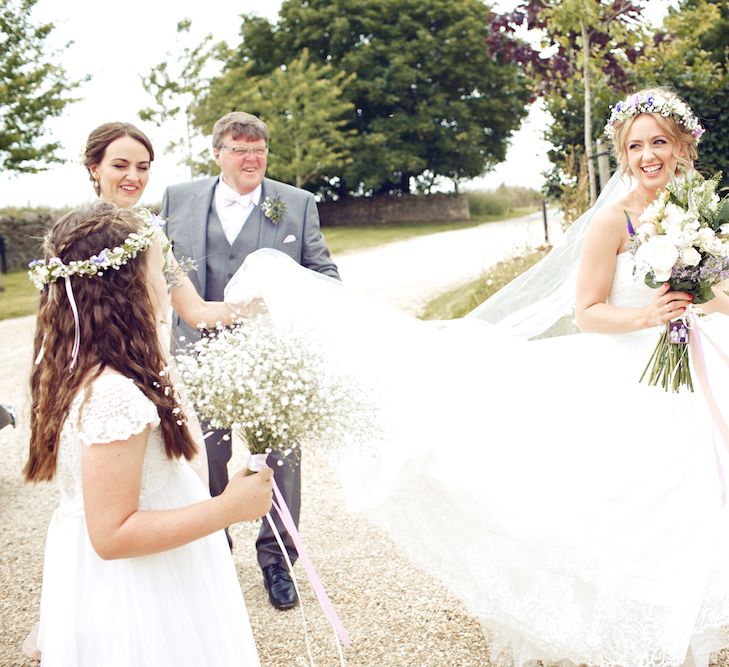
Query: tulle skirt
[580,514]
[181,607]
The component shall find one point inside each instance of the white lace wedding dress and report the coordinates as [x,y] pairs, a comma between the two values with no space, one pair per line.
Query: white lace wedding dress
[181,607]
[578,513]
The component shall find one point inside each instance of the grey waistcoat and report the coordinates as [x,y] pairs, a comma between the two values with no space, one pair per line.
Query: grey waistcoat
[222,259]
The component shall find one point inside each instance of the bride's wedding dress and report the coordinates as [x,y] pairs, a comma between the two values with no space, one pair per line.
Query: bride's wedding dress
[578,513]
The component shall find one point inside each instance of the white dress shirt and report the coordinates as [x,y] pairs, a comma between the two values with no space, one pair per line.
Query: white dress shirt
[234,208]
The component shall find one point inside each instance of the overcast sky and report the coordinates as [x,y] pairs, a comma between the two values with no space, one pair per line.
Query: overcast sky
[117,43]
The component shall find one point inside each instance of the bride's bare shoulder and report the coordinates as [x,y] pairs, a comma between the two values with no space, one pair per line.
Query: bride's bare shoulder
[610,221]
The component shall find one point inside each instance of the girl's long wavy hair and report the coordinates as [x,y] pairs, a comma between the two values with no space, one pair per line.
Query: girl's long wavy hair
[118,331]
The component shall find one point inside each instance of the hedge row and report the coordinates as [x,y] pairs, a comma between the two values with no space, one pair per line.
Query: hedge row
[22,231]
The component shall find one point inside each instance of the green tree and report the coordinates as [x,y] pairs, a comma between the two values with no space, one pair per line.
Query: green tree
[581,17]
[32,90]
[691,56]
[304,107]
[176,85]
[429,99]
[593,33]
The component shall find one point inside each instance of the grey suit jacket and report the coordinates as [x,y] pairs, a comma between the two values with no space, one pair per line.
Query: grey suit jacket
[185,207]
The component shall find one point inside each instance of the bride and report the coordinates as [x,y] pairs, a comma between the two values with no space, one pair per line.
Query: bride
[580,514]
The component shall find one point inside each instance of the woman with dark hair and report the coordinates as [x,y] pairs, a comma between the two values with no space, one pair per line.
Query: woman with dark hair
[137,543]
[118,157]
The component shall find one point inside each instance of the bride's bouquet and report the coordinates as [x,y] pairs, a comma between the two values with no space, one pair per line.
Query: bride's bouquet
[683,239]
[274,388]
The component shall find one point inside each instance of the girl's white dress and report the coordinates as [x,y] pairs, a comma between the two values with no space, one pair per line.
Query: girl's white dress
[178,608]
[578,513]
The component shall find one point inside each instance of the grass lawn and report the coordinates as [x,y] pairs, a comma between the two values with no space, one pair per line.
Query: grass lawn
[458,301]
[342,240]
[20,297]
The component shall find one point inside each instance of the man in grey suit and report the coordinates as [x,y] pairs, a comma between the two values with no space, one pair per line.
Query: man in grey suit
[218,222]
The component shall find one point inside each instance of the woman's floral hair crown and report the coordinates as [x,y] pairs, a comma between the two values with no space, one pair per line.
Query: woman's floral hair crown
[667,105]
[43,272]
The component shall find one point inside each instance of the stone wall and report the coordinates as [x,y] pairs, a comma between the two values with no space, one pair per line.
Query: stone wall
[23,233]
[395,209]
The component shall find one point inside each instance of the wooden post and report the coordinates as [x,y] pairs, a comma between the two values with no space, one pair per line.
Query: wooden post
[544,219]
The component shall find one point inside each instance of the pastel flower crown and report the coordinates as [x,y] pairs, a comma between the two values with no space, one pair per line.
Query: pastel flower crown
[43,272]
[667,106]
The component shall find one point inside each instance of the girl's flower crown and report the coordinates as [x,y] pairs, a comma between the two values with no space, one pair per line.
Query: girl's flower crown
[668,106]
[43,273]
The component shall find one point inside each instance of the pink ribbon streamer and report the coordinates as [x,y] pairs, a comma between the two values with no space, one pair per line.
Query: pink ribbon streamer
[257,462]
[697,351]
[321,595]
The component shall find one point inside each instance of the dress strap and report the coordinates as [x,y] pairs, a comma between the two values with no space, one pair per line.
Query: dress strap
[631,229]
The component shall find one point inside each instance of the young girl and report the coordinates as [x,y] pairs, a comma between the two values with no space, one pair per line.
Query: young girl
[137,569]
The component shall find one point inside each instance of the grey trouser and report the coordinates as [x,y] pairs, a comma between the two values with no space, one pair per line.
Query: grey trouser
[288,479]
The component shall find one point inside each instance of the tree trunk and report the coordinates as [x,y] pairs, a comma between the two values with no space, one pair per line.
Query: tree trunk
[588,111]
[297,157]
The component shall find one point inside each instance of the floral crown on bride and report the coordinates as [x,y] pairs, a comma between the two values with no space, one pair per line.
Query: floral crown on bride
[43,272]
[665,104]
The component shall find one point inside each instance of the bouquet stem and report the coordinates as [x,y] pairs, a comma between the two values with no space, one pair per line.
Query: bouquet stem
[669,365]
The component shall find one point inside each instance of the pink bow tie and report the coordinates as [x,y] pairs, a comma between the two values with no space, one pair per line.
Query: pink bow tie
[243,200]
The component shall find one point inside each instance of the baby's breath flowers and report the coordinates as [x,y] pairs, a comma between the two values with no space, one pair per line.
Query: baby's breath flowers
[274,388]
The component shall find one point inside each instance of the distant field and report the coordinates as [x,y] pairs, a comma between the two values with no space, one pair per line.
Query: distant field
[19,296]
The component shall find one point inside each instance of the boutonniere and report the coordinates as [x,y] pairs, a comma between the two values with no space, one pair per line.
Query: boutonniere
[273,209]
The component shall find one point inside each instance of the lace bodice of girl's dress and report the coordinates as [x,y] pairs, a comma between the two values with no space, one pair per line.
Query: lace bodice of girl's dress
[94,418]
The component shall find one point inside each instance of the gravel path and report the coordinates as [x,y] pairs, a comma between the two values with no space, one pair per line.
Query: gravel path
[409,273]
[396,616]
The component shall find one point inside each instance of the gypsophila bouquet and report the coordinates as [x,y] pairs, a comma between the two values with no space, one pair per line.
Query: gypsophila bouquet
[274,388]
[683,239]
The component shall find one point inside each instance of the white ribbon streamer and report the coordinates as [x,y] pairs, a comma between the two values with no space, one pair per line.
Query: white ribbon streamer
[77,325]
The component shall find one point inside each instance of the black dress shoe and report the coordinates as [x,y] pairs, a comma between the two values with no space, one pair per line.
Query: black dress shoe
[280,587]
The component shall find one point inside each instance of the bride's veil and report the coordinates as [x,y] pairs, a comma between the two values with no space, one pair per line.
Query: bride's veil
[408,367]
[539,298]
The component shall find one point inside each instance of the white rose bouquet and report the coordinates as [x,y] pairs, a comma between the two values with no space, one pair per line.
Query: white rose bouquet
[683,239]
[274,388]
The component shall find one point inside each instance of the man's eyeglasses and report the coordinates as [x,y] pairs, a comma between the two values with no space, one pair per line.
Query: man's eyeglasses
[240,151]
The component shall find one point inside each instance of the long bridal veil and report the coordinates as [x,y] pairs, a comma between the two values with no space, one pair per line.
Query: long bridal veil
[536,300]
[431,381]
[574,510]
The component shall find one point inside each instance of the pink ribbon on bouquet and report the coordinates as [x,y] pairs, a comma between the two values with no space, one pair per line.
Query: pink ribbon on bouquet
[700,364]
[256,462]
